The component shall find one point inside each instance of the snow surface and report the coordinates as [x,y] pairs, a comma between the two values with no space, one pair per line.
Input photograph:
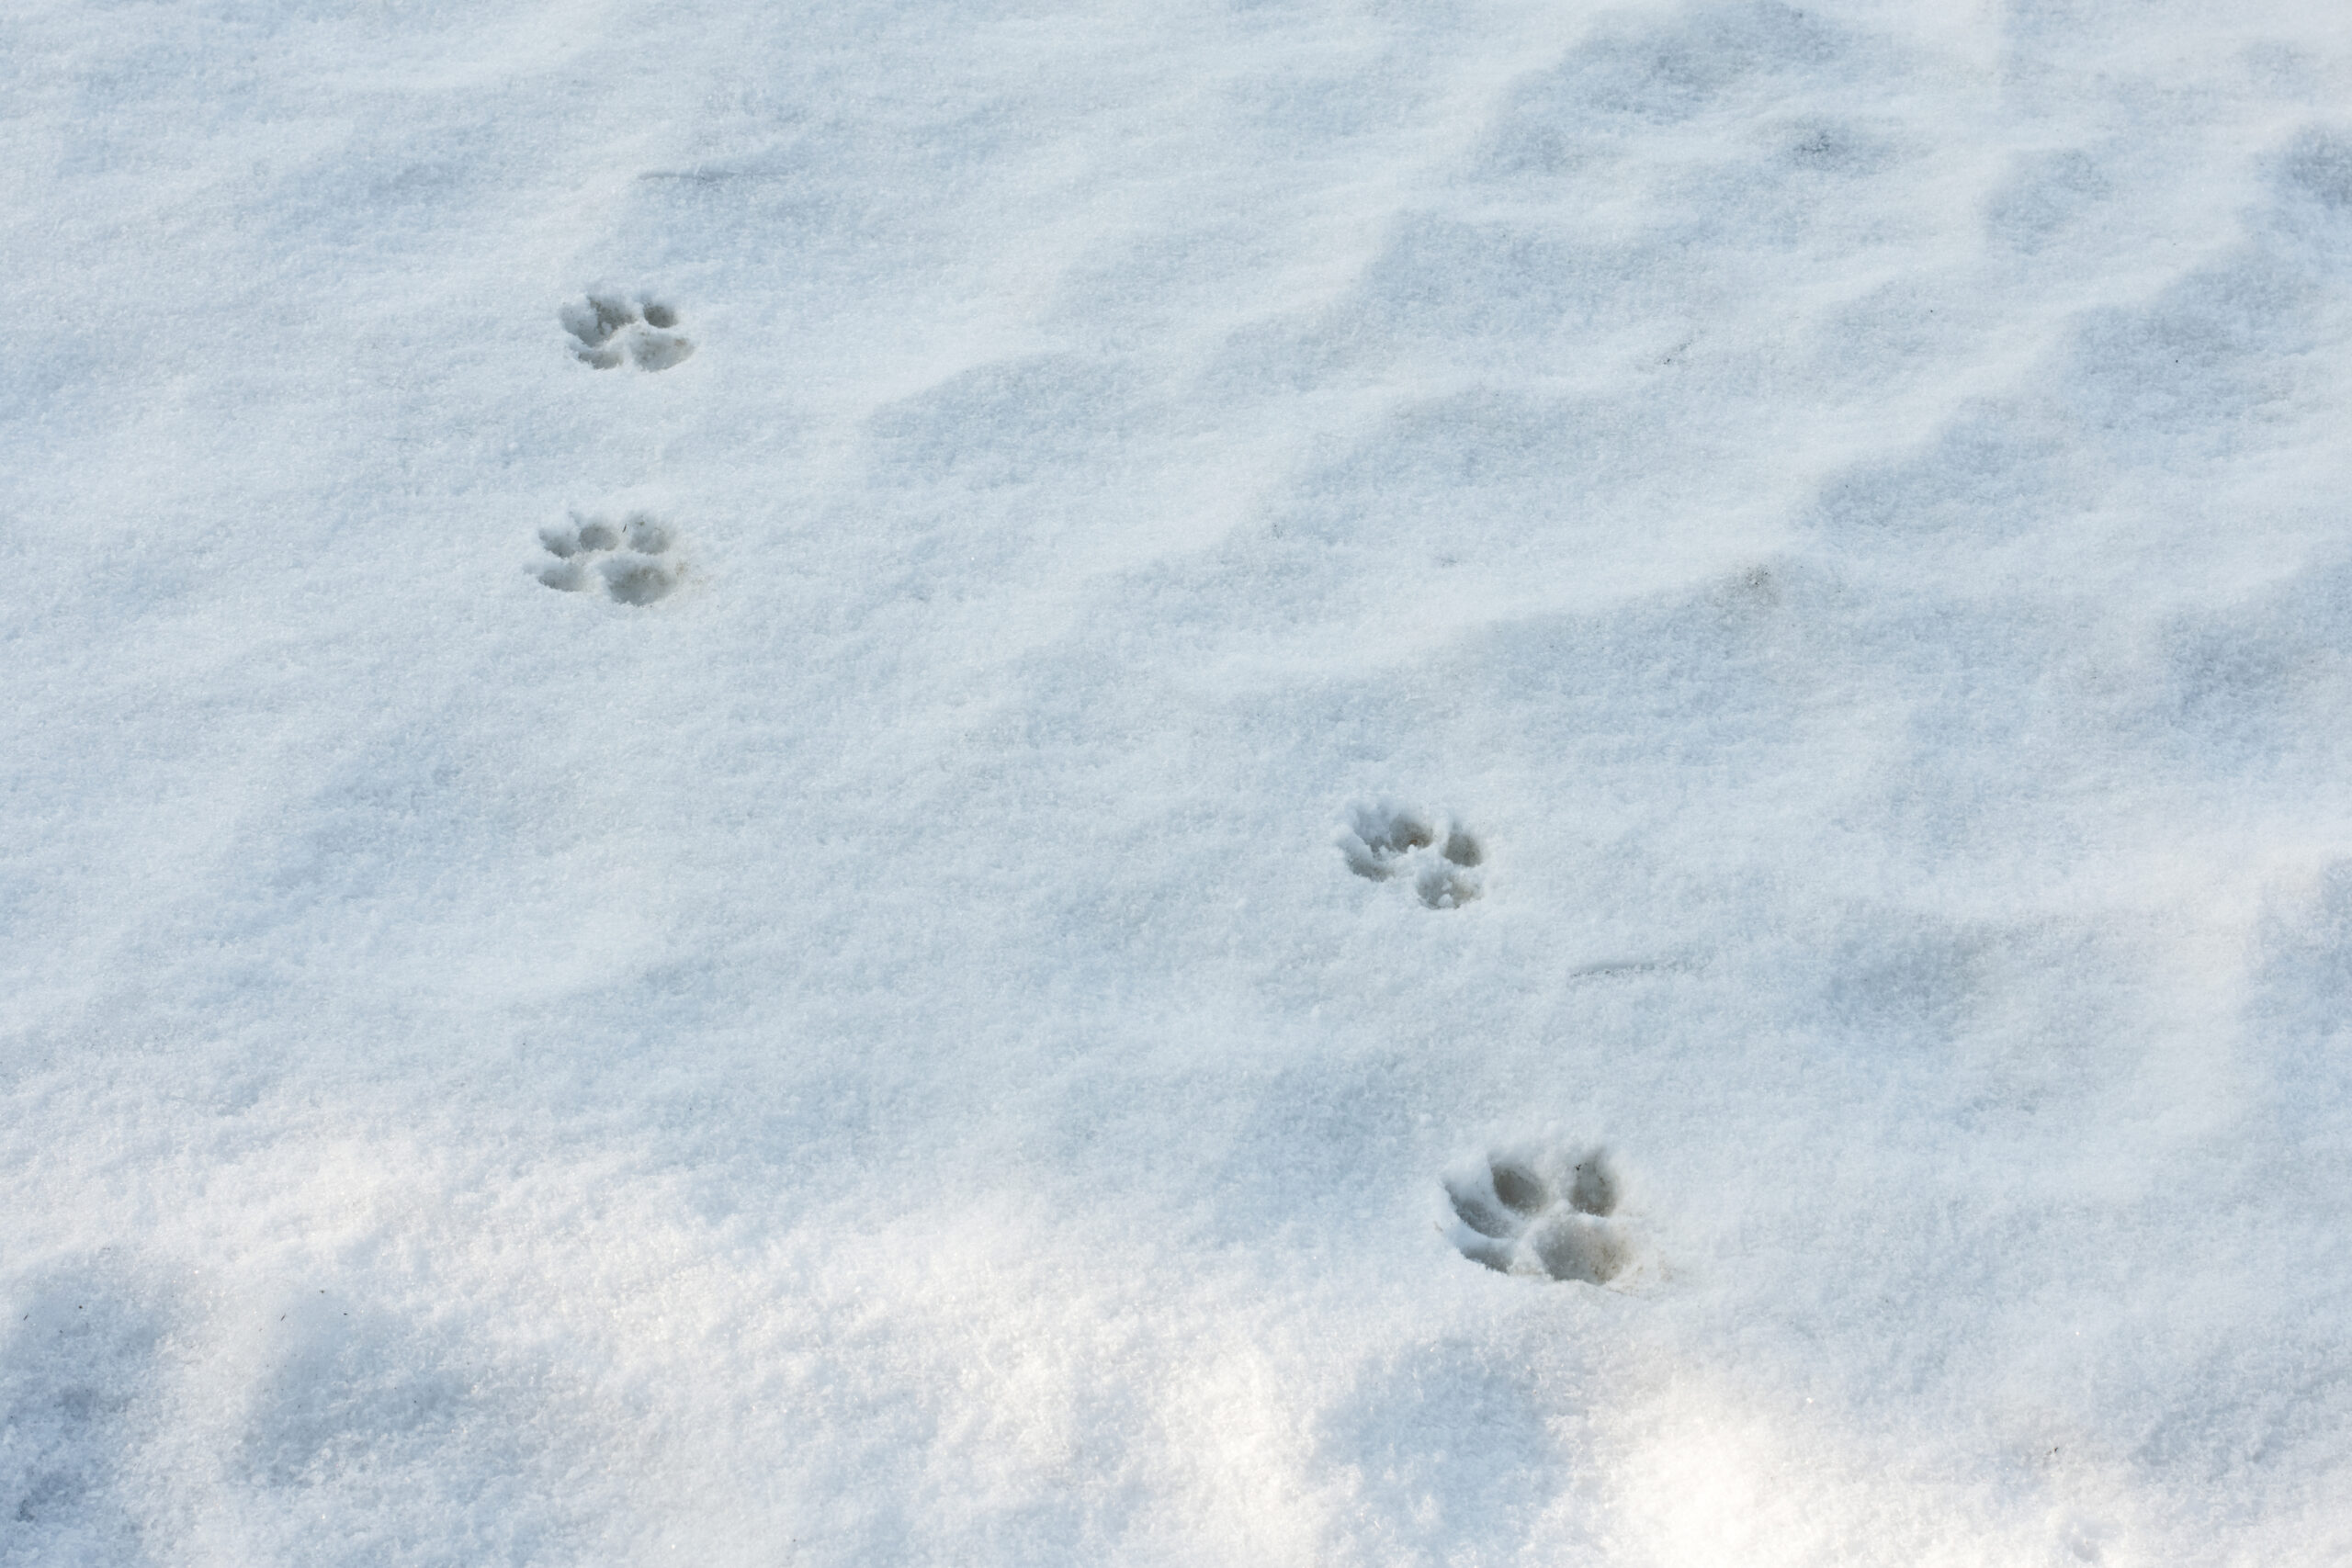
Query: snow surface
[876,1030]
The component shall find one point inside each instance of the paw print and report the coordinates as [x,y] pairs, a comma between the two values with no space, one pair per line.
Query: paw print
[626,562]
[608,328]
[1441,857]
[1544,1214]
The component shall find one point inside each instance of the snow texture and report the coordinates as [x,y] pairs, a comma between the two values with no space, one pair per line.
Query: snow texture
[1202,647]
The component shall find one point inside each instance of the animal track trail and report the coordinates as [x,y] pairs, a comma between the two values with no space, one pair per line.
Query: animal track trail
[1543,1214]
[609,330]
[629,562]
[1440,856]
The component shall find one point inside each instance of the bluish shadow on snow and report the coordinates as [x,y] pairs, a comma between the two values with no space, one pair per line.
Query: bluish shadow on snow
[79,1396]
[363,1430]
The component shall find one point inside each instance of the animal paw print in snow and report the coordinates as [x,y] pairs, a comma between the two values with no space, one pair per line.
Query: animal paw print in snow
[1544,1214]
[1441,858]
[626,562]
[608,328]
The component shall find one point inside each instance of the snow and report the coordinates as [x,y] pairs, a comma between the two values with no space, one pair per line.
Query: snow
[930,1010]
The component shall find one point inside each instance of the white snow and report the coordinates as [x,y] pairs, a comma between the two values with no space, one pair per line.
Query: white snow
[927,1013]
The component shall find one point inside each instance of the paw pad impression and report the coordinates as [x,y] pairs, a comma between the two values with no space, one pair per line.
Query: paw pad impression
[1439,856]
[1547,1215]
[608,329]
[628,561]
